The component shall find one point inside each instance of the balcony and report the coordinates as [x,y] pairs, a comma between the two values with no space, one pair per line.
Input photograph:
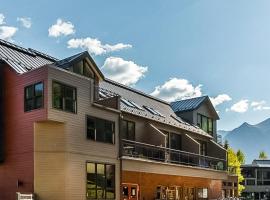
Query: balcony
[161,154]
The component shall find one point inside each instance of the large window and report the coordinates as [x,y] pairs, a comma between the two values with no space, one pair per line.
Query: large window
[100,181]
[100,130]
[83,68]
[128,130]
[205,123]
[33,96]
[64,97]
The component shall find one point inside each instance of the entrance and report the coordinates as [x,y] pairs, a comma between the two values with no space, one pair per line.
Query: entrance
[130,191]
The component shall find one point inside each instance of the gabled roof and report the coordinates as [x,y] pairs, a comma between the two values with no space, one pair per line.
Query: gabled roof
[22,59]
[144,100]
[68,62]
[191,104]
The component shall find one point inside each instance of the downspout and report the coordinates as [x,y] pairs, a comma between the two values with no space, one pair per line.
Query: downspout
[120,148]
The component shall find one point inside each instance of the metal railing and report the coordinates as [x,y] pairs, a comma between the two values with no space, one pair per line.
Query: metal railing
[156,153]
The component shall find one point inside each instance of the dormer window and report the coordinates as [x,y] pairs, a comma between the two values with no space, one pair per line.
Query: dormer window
[83,68]
[205,123]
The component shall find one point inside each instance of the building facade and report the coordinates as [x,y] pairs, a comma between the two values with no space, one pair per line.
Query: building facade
[69,133]
[257,180]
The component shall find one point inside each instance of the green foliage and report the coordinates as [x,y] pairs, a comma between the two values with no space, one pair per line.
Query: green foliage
[241,156]
[234,167]
[263,155]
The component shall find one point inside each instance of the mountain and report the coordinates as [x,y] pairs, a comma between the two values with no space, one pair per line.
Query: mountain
[251,139]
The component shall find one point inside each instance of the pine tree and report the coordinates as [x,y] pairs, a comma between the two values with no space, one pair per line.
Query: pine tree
[263,155]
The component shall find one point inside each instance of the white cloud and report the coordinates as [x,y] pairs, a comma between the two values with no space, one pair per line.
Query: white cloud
[94,46]
[259,105]
[61,28]
[7,32]
[221,98]
[125,72]
[177,89]
[240,107]
[2,19]
[25,21]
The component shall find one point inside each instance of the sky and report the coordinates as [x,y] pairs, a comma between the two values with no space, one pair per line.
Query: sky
[170,49]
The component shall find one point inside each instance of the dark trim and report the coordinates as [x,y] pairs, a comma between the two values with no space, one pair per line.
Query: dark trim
[95,140]
[65,85]
[33,85]
[105,173]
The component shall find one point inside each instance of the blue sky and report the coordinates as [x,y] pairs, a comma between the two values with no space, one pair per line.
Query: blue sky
[173,50]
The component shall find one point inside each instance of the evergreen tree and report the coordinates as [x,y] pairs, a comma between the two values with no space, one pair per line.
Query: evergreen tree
[241,156]
[263,155]
[226,144]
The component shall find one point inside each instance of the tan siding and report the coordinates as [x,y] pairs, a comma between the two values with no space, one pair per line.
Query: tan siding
[73,147]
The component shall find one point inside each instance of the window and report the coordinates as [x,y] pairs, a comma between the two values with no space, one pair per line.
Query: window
[203,148]
[131,104]
[175,141]
[83,68]
[202,193]
[100,130]
[100,181]
[64,97]
[153,111]
[205,123]
[128,130]
[33,96]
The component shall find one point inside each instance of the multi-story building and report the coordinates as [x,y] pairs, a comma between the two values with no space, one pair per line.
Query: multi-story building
[69,133]
[257,180]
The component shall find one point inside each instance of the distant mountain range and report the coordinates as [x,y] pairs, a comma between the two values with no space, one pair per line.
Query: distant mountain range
[251,139]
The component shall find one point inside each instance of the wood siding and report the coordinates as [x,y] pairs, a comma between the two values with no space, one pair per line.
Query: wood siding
[66,145]
[18,133]
[148,183]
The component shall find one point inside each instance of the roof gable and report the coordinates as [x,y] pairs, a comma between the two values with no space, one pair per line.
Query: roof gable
[70,61]
[191,104]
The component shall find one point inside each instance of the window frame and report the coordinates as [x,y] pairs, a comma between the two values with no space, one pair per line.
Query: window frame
[34,97]
[127,130]
[95,129]
[200,123]
[105,173]
[64,85]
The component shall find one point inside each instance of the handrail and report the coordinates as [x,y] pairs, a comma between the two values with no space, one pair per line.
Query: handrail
[158,153]
[180,151]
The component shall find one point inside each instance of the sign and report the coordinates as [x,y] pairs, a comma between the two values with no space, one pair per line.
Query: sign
[25,196]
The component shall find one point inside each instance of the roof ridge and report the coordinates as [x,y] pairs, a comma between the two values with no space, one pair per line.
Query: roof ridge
[29,51]
[204,96]
[136,91]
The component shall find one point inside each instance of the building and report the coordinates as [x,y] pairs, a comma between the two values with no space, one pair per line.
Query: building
[257,180]
[70,133]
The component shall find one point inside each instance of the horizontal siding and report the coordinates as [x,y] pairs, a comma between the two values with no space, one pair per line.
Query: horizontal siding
[18,133]
[171,169]
[65,134]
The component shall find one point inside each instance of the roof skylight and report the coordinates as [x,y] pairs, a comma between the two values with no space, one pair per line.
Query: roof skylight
[154,111]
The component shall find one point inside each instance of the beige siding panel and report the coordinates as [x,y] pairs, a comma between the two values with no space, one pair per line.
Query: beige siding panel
[76,123]
[139,165]
[61,146]
[49,160]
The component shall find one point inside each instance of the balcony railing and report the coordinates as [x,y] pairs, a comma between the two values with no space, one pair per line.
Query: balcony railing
[162,154]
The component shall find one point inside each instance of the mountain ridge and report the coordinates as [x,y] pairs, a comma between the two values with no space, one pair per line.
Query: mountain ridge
[251,139]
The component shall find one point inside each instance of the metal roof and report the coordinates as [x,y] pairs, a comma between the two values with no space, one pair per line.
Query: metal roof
[258,163]
[168,116]
[187,104]
[22,59]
